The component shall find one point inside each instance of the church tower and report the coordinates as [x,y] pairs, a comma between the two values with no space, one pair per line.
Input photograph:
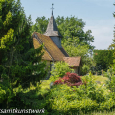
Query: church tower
[52,31]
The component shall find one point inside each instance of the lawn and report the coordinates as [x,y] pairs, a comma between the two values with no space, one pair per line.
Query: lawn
[100,78]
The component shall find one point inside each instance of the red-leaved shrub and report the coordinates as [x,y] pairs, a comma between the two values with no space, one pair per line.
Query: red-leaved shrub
[71,79]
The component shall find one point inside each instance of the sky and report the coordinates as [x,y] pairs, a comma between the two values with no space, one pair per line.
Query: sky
[97,15]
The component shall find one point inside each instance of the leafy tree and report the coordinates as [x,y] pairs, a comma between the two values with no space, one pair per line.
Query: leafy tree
[72,27]
[40,25]
[20,63]
[103,58]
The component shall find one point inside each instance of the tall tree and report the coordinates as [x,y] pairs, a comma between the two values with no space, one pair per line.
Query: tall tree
[20,63]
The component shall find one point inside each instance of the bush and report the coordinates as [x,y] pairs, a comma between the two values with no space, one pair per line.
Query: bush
[71,79]
[59,70]
[66,100]
[111,82]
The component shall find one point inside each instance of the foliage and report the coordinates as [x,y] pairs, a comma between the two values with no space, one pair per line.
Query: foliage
[111,81]
[20,63]
[59,69]
[85,69]
[72,27]
[40,25]
[29,98]
[87,97]
[71,79]
[103,58]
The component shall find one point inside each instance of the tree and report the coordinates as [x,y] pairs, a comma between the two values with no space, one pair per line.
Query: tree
[40,25]
[72,27]
[103,59]
[20,63]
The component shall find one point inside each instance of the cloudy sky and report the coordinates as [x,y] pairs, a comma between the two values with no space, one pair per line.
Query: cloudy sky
[97,14]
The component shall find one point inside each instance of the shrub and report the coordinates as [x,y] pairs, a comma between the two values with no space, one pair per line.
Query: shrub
[111,82]
[66,100]
[71,79]
[92,90]
[59,69]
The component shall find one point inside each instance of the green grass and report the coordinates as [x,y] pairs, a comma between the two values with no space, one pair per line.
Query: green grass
[103,113]
[100,78]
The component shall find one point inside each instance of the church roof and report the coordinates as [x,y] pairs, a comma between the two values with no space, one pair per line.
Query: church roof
[73,61]
[51,48]
[37,44]
[52,29]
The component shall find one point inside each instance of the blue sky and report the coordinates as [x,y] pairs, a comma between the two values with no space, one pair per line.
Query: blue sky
[97,14]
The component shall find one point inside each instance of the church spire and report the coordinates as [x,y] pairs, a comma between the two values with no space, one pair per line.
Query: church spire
[52,29]
[52,9]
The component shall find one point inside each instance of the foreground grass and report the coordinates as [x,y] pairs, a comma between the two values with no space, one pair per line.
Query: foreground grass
[103,113]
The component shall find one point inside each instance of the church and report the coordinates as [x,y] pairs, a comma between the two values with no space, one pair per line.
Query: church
[53,50]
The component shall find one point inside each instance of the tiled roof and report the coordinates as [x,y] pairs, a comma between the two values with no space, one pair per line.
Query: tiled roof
[52,29]
[73,61]
[46,56]
[50,47]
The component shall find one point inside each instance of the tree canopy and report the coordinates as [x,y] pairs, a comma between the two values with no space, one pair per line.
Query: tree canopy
[16,46]
[20,63]
[103,58]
